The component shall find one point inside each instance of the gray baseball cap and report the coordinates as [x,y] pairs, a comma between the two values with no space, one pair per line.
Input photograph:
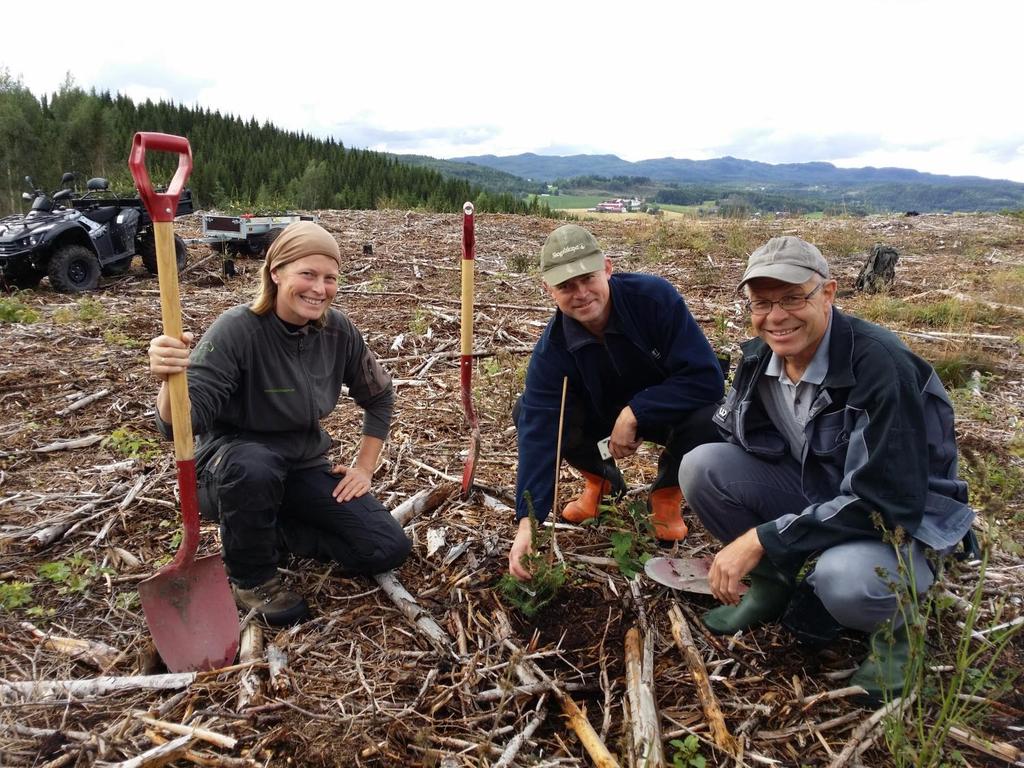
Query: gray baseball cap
[788,259]
[568,252]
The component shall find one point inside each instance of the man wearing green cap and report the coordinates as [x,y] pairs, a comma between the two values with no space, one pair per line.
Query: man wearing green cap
[833,426]
[638,368]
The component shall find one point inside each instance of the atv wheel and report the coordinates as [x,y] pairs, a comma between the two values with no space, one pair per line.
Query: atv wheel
[118,267]
[147,249]
[73,269]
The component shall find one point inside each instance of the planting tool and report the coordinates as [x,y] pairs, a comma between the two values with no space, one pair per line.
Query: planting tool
[689,574]
[188,605]
[466,360]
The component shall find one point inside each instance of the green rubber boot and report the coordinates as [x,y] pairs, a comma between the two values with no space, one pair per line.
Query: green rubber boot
[883,673]
[766,600]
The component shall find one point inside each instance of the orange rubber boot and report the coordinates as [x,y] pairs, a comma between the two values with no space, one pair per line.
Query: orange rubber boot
[585,507]
[666,518]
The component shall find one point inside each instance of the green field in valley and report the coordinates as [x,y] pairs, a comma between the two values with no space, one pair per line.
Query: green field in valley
[558,202]
[562,202]
[688,209]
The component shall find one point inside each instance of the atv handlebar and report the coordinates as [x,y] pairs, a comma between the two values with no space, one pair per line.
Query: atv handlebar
[161,205]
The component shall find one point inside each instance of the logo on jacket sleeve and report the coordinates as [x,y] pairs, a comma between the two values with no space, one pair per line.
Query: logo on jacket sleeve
[656,353]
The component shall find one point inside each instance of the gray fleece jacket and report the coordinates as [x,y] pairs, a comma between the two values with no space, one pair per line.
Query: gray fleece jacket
[251,378]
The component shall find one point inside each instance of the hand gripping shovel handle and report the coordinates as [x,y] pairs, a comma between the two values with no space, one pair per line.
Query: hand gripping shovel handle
[466,359]
[162,207]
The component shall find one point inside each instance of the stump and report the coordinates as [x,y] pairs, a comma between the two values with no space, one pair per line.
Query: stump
[879,271]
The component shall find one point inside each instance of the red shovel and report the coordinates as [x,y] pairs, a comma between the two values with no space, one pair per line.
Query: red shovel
[188,604]
[466,360]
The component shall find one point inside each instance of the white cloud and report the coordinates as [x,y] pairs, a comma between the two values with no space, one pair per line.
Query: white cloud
[931,85]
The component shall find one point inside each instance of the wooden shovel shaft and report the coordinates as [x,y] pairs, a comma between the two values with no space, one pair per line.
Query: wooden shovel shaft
[466,359]
[177,390]
[468,264]
[170,310]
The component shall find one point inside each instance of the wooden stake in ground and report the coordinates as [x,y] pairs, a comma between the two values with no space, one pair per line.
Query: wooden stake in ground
[558,465]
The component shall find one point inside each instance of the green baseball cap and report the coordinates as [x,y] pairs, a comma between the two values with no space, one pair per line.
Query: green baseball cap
[568,252]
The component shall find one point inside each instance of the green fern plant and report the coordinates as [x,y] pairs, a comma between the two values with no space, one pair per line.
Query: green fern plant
[132,445]
[687,753]
[72,574]
[15,594]
[14,310]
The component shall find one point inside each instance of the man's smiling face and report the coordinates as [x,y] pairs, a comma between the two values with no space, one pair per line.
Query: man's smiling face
[586,298]
[793,334]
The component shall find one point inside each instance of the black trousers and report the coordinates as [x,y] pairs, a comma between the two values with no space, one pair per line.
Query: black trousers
[582,430]
[267,509]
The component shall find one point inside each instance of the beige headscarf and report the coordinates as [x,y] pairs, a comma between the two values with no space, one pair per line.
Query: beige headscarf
[297,240]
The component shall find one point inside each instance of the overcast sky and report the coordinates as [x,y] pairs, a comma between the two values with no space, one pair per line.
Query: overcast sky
[931,85]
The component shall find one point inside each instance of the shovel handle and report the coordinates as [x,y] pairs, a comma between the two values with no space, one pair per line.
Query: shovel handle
[161,205]
[468,256]
[466,361]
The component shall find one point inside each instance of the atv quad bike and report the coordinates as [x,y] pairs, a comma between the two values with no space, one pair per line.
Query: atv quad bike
[73,240]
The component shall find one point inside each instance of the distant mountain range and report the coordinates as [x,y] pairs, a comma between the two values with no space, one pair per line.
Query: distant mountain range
[815,182]
[722,170]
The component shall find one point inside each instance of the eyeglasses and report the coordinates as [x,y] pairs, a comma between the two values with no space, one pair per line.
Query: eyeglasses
[788,303]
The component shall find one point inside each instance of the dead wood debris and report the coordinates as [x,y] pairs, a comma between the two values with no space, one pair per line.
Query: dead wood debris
[362,682]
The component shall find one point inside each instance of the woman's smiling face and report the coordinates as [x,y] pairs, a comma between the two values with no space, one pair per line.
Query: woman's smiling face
[305,288]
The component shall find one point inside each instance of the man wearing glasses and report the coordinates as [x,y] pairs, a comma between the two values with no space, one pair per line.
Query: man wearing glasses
[836,433]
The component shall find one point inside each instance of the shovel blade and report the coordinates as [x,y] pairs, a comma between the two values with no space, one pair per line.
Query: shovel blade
[469,468]
[191,615]
[689,574]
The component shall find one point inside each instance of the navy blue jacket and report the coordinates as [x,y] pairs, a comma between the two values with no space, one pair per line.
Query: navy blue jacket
[880,443]
[664,365]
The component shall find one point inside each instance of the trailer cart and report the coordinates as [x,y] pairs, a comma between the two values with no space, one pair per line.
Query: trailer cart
[244,235]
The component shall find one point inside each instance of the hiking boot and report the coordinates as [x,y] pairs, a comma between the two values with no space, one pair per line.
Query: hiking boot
[766,600]
[278,606]
[585,506]
[666,519]
[883,674]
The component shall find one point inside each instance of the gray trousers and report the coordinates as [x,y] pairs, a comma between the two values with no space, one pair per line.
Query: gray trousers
[732,492]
